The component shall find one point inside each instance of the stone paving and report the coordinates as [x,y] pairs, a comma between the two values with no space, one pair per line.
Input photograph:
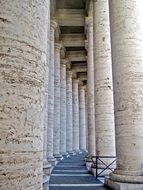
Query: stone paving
[72,174]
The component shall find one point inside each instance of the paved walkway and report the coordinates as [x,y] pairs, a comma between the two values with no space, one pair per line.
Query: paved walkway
[71,174]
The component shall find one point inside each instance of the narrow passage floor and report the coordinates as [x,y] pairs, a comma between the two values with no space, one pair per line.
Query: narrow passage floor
[72,174]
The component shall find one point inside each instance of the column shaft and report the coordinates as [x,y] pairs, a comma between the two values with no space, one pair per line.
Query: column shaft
[104,109]
[51,96]
[46,165]
[82,119]
[57,110]
[63,108]
[23,39]
[127,51]
[75,116]
[69,137]
[90,92]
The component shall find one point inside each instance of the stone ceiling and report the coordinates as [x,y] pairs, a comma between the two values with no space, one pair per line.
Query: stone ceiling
[70,15]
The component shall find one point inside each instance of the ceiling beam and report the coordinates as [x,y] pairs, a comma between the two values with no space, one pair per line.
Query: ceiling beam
[71,17]
[73,40]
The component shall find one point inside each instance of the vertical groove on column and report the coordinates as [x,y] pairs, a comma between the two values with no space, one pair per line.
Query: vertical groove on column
[23,40]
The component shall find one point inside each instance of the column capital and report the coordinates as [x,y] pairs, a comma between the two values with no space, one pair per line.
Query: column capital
[70,72]
[88,21]
[82,86]
[64,61]
[58,46]
[53,24]
[86,44]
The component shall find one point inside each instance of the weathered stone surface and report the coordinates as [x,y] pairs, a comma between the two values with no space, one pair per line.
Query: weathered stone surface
[82,118]
[63,107]
[51,95]
[23,49]
[69,120]
[56,140]
[46,165]
[104,108]
[127,54]
[75,115]
[90,90]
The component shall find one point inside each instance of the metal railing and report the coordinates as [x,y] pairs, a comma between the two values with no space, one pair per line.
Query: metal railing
[100,160]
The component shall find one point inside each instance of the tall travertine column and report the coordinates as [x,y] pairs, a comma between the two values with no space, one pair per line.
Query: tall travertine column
[23,39]
[51,96]
[90,90]
[82,118]
[46,165]
[75,115]
[104,109]
[69,137]
[127,53]
[56,141]
[63,107]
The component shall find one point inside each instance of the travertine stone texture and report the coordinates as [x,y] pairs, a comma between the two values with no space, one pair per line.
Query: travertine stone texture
[86,112]
[69,121]
[127,51]
[90,90]
[63,107]
[51,94]
[82,118]
[46,165]
[56,141]
[75,115]
[104,109]
[23,49]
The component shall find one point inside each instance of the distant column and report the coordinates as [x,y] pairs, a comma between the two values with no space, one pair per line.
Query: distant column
[50,129]
[63,108]
[57,101]
[69,137]
[82,118]
[75,115]
[90,91]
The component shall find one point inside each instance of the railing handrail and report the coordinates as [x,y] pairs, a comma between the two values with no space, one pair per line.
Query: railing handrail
[98,158]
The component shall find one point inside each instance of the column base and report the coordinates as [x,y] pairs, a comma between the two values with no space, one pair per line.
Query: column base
[65,154]
[58,157]
[122,186]
[52,161]
[47,168]
[71,152]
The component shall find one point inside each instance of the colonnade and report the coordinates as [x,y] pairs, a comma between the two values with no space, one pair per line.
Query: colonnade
[46,110]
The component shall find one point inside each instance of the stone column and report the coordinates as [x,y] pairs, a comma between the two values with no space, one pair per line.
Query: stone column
[82,118]
[104,109]
[46,164]
[127,53]
[90,90]
[75,116]
[63,108]
[23,39]
[69,137]
[50,129]
[56,142]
